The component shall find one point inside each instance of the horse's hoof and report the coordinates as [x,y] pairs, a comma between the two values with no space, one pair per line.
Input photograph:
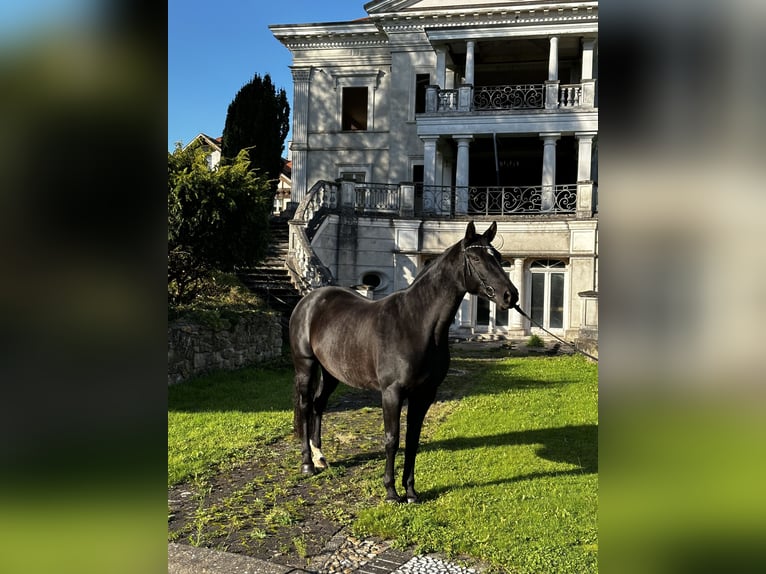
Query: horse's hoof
[412,499]
[321,463]
[308,468]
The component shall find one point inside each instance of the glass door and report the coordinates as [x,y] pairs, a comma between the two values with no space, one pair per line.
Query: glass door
[547,287]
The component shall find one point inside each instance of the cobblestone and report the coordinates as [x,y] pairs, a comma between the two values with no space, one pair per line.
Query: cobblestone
[431,565]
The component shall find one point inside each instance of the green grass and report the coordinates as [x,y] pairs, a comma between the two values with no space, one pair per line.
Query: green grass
[221,416]
[510,476]
[507,469]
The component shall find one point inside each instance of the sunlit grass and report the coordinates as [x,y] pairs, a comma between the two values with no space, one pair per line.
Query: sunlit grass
[510,476]
[217,417]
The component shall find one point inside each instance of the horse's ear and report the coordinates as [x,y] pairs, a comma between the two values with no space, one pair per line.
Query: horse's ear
[490,233]
[470,233]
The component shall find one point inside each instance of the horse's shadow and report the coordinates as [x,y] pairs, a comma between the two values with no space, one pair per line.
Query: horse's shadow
[575,445]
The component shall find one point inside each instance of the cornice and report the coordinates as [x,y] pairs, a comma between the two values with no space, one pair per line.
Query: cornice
[404,22]
[373,32]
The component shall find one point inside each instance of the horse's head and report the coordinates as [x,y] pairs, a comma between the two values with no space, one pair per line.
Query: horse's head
[484,274]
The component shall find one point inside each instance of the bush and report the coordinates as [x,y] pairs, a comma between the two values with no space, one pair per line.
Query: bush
[535,342]
[217,219]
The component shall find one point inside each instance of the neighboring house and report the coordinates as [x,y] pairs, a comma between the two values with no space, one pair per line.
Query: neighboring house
[283,196]
[427,114]
[212,145]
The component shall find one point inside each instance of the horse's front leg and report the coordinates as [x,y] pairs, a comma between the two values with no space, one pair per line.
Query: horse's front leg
[416,411]
[392,410]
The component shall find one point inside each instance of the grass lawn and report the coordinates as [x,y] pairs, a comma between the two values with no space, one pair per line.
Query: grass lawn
[507,469]
[219,417]
[510,476]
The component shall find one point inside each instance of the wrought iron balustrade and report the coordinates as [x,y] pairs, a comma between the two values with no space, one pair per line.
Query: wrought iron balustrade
[533,199]
[509,97]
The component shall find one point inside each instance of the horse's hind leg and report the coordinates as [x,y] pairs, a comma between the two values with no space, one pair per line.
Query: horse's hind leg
[392,410]
[327,385]
[305,372]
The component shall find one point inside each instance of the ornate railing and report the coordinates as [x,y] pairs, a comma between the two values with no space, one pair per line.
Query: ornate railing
[550,96]
[306,270]
[570,95]
[509,97]
[536,199]
[447,100]
[377,197]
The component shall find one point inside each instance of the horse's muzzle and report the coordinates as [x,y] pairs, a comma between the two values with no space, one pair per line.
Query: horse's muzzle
[510,298]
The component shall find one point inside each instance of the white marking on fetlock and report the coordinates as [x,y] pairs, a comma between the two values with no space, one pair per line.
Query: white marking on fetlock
[316,455]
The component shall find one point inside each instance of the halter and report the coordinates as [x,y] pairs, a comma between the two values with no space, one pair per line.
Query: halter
[489,291]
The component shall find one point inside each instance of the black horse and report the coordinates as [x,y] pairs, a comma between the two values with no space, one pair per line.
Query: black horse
[397,345]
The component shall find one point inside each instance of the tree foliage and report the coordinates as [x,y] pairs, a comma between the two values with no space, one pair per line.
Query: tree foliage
[258,119]
[217,219]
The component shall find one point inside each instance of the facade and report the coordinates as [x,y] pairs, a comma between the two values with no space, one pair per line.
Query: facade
[427,114]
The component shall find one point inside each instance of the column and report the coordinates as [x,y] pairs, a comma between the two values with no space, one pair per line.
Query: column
[584,178]
[587,58]
[470,46]
[552,84]
[462,175]
[441,66]
[584,154]
[553,59]
[517,322]
[549,170]
[299,146]
[588,99]
[431,200]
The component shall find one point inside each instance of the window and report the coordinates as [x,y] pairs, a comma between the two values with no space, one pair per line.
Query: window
[355,176]
[547,285]
[354,114]
[421,83]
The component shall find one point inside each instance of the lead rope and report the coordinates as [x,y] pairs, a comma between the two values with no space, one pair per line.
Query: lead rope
[523,314]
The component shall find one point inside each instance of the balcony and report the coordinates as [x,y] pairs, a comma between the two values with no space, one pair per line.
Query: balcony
[550,95]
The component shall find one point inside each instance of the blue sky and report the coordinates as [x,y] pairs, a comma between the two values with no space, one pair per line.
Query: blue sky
[214,48]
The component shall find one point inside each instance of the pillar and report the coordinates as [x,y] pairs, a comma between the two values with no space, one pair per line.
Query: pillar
[299,146]
[552,84]
[516,323]
[584,177]
[441,66]
[587,58]
[549,170]
[588,97]
[462,175]
[553,59]
[470,46]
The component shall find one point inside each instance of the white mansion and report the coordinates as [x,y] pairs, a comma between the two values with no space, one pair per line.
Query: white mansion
[428,114]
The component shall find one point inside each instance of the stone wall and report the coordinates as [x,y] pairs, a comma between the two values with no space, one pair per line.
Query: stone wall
[200,346]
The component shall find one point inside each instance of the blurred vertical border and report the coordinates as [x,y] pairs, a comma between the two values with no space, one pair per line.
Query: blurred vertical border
[682,199]
[83,126]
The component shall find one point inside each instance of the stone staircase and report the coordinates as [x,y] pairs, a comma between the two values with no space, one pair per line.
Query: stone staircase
[270,280]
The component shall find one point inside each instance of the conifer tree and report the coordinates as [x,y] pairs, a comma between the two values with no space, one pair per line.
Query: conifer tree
[258,119]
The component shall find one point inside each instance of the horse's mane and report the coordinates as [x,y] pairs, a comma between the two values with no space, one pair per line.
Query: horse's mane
[434,264]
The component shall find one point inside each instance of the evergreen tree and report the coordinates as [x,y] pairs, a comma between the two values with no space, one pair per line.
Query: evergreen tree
[258,119]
